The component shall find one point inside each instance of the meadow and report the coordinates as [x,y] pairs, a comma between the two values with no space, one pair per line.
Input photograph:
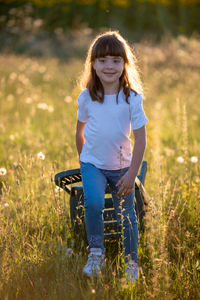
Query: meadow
[38,110]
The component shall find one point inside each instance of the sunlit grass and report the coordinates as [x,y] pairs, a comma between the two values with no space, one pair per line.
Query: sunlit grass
[38,109]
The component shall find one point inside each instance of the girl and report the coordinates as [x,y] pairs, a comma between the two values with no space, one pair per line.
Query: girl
[110,102]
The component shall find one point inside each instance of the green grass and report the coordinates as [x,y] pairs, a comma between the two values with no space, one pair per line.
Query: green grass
[34,216]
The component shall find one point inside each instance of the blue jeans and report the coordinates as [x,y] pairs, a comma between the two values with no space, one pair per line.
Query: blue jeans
[94,184]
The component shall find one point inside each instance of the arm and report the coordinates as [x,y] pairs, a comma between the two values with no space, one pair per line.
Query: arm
[80,136]
[127,182]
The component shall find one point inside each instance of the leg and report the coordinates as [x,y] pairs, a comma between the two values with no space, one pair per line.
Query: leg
[126,216]
[94,185]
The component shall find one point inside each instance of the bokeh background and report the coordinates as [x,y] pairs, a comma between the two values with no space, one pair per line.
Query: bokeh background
[49,27]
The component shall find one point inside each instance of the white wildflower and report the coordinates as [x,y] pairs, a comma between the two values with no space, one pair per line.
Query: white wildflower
[29,100]
[12,137]
[194,159]
[43,106]
[158,105]
[6,204]
[23,79]
[41,155]
[13,76]
[50,109]
[180,159]
[3,171]
[68,99]
[58,189]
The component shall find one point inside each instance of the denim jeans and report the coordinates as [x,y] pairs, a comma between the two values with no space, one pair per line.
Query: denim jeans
[94,184]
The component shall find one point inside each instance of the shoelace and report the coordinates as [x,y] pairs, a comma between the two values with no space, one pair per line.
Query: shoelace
[132,267]
[94,257]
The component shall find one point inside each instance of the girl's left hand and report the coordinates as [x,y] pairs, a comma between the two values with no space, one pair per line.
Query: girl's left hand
[126,184]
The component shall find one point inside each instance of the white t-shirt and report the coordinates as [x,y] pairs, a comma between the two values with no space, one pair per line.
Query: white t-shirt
[107,132]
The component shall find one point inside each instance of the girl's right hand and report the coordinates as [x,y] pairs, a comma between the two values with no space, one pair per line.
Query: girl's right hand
[126,184]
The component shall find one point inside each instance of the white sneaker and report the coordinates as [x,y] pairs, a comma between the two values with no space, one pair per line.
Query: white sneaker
[132,271]
[95,262]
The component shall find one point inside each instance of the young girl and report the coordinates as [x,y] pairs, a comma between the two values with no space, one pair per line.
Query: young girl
[110,102]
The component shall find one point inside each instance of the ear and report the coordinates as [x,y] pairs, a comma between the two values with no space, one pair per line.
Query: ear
[94,65]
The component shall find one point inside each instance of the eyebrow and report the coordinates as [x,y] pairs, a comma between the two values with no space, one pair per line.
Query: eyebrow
[114,57]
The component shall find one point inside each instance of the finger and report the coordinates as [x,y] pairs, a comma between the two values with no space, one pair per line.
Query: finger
[120,182]
[122,191]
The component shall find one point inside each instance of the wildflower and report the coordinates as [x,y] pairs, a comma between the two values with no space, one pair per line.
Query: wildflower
[29,100]
[12,137]
[41,155]
[37,23]
[45,106]
[194,159]
[3,171]
[6,204]
[68,99]
[23,79]
[50,109]
[13,76]
[180,159]
[158,105]
[58,189]
[69,252]
[42,105]
[93,291]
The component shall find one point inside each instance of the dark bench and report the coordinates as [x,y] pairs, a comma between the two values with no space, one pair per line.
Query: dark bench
[67,180]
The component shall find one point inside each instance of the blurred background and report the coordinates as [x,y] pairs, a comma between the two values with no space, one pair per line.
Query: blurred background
[64,28]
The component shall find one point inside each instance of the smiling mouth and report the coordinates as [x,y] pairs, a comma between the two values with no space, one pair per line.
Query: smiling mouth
[108,73]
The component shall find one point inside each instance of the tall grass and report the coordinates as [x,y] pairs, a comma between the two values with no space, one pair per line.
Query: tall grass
[38,256]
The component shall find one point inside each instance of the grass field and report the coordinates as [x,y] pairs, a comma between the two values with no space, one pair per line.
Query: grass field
[38,111]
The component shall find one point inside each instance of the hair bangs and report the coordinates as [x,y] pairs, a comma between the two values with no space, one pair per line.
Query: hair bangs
[108,46]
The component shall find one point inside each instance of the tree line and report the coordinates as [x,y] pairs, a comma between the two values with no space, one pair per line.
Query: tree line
[138,16]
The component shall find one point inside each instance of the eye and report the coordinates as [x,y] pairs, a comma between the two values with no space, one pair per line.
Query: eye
[102,60]
[117,60]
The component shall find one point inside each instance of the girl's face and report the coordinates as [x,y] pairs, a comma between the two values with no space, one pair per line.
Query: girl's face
[109,69]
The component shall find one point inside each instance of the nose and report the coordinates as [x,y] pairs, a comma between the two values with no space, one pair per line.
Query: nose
[109,64]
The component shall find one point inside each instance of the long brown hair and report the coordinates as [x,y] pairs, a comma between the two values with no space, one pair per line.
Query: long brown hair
[111,43]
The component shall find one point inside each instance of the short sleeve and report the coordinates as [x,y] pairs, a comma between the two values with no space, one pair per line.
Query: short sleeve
[138,117]
[83,107]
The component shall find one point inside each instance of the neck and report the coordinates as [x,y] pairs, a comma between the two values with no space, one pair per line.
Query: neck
[111,89]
